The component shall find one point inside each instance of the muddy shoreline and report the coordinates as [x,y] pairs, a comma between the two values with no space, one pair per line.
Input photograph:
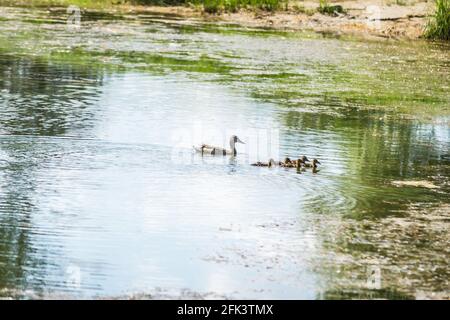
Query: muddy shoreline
[361,18]
[366,19]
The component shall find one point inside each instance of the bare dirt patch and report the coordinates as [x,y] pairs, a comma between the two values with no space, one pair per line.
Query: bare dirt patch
[385,19]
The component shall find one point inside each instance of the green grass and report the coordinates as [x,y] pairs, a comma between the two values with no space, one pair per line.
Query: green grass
[92,4]
[217,6]
[297,8]
[401,2]
[210,6]
[325,8]
[439,26]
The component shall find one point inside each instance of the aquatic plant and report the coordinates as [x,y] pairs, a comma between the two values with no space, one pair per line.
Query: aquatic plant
[439,25]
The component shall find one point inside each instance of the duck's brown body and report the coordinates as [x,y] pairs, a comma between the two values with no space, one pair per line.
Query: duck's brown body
[313,165]
[218,151]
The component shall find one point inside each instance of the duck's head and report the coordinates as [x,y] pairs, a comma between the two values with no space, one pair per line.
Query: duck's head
[234,139]
[287,160]
[315,162]
[272,163]
[304,159]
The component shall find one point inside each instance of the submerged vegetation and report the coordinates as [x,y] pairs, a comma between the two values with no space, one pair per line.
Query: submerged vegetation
[339,83]
[439,26]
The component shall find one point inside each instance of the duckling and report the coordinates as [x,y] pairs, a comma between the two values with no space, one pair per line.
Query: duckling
[288,163]
[269,164]
[303,160]
[313,164]
[298,165]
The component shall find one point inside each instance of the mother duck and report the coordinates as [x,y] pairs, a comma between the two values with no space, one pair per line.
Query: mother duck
[207,149]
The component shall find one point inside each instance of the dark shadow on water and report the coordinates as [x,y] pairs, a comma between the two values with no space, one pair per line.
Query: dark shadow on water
[42,98]
[38,98]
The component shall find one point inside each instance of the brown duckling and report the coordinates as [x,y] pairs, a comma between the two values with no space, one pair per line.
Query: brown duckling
[269,164]
[288,163]
[297,163]
[313,165]
[303,160]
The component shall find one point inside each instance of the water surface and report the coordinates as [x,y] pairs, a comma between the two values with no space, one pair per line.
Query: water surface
[101,196]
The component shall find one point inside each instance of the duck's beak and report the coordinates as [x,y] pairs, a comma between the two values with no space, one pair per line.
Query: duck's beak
[306,159]
[318,162]
[239,140]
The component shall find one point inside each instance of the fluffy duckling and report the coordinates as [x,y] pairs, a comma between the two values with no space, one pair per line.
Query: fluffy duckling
[269,164]
[303,160]
[297,163]
[288,163]
[313,165]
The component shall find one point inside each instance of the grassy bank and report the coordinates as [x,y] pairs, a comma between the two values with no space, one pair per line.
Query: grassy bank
[210,6]
[439,26]
[91,4]
[214,6]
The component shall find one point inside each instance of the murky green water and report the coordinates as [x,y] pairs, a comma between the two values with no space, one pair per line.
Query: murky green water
[100,195]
